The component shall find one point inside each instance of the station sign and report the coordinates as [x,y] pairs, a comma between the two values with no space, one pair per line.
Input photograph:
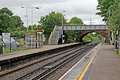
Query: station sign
[6,37]
[40,30]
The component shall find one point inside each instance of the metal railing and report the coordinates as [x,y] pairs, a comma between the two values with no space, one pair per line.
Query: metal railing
[86,27]
[55,35]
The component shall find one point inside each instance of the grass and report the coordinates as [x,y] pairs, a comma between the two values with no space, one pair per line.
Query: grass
[13,50]
[118,51]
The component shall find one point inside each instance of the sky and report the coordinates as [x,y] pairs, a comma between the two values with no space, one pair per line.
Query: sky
[84,9]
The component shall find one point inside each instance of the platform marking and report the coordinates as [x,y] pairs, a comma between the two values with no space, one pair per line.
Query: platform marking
[86,68]
[71,68]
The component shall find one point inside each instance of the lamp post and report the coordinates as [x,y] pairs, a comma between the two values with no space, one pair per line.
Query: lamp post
[116,36]
[32,14]
[62,24]
[63,17]
[1,45]
[26,15]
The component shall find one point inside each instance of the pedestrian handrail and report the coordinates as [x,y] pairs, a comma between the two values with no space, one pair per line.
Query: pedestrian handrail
[55,35]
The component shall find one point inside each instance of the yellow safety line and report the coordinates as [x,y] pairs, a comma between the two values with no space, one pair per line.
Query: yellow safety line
[86,68]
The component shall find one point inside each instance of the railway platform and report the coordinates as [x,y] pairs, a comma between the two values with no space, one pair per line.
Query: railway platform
[102,64]
[106,66]
[31,51]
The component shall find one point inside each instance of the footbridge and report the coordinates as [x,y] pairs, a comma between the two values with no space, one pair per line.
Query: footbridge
[85,27]
[57,33]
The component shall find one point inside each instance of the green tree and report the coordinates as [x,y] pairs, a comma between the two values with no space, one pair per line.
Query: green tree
[49,21]
[19,32]
[110,11]
[72,36]
[5,19]
[17,27]
[103,6]
[17,21]
[76,21]
[92,37]
[10,23]
[114,18]
[33,27]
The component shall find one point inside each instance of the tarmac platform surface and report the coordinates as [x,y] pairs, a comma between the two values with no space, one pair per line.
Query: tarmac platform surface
[107,64]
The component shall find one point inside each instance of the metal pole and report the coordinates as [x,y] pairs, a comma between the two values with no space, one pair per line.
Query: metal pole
[1,45]
[63,23]
[10,44]
[90,21]
[63,17]
[27,17]
[36,39]
[62,20]
[62,28]
[32,17]
[116,40]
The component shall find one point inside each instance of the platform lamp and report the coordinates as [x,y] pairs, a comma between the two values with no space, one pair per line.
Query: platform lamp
[26,15]
[63,23]
[117,43]
[32,14]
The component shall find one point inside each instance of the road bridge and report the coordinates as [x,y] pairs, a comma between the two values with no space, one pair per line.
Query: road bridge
[57,34]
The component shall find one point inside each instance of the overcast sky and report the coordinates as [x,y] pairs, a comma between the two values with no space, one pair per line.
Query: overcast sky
[84,9]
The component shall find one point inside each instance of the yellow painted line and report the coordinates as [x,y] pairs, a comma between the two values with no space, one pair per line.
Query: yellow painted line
[86,68]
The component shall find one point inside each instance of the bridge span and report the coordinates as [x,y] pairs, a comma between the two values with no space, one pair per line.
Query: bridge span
[86,27]
[57,33]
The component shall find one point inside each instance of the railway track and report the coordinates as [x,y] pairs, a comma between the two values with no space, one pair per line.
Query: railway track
[44,71]
[20,60]
[46,65]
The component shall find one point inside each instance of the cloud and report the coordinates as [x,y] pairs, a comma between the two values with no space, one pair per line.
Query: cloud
[84,9]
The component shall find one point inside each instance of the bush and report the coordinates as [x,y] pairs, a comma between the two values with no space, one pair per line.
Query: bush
[118,51]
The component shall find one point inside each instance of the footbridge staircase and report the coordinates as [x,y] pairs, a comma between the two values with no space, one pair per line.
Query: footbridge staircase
[55,35]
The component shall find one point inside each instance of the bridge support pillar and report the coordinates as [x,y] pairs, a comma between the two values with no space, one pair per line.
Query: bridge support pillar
[80,40]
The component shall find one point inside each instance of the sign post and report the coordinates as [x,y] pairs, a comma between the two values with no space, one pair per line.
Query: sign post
[1,46]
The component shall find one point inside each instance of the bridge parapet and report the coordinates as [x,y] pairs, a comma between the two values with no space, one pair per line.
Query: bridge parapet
[86,27]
